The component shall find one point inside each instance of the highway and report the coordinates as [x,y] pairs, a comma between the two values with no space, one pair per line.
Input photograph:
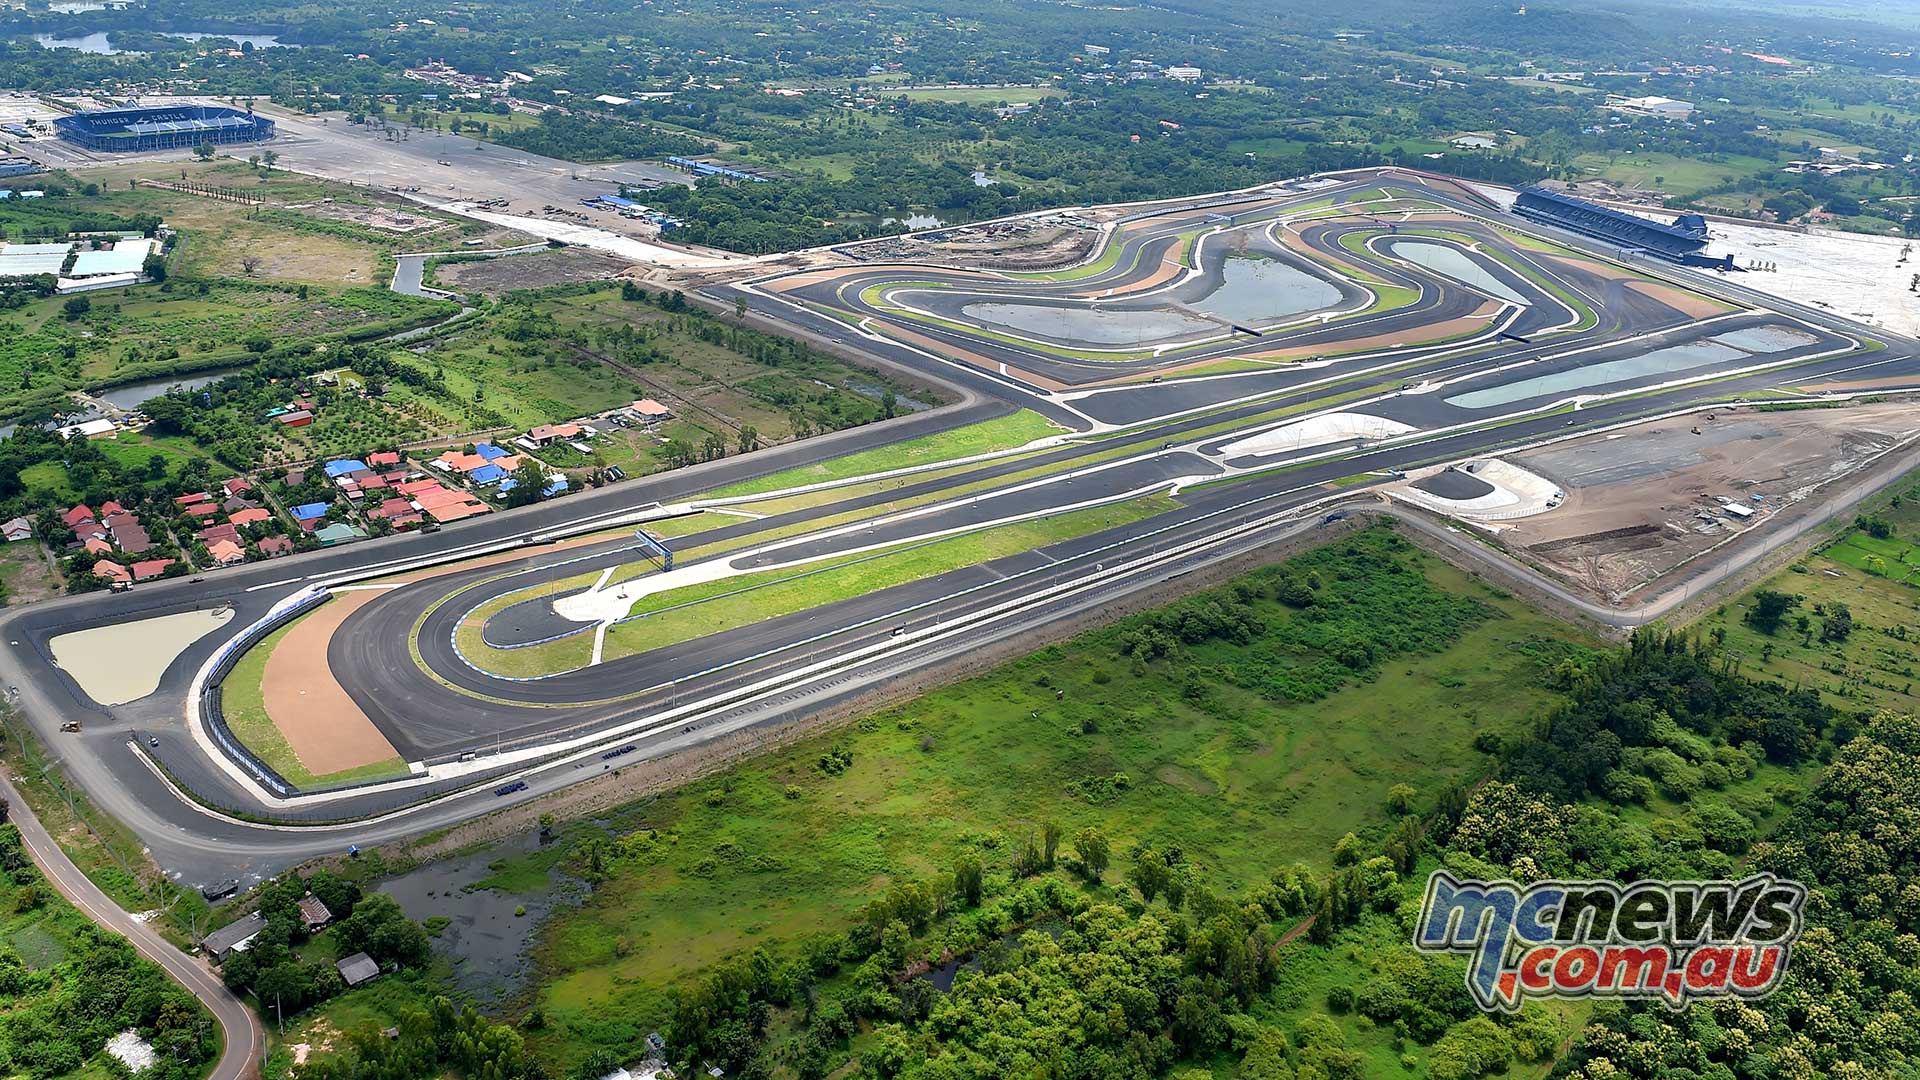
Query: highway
[1515,343]
[243,1039]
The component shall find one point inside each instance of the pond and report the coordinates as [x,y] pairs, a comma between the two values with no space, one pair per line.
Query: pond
[130,395]
[95,43]
[1456,264]
[1668,361]
[1263,290]
[1093,326]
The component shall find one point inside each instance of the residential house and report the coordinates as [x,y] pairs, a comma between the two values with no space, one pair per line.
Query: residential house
[239,485]
[357,968]
[223,531]
[294,419]
[17,530]
[226,553]
[275,546]
[252,515]
[338,533]
[384,459]
[233,937]
[547,434]
[78,518]
[148,569]
[652,411]
[112,572]
[314,913]
[96,546]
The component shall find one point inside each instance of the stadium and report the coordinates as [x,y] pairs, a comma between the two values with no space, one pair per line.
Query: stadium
[162,127]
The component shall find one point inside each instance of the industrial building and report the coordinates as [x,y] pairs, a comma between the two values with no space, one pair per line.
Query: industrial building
[162,127]
[1683,242]
[708,168]
[18,166]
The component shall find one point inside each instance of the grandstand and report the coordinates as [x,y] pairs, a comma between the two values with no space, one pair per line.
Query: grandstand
[162,127]
[1683,242]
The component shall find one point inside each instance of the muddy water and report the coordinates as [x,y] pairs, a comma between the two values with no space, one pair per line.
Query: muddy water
[487,943]
[123,662]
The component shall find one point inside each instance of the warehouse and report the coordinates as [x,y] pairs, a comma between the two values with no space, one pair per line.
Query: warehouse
[162,127]
[26,260]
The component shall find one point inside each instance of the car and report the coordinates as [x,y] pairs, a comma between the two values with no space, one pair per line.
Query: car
[198,580]
[153,740]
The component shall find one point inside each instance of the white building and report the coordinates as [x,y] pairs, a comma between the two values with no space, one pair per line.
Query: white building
[1662,108]
[1183,73]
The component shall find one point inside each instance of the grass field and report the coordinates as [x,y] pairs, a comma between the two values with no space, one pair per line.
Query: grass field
[1000,433]
[1243,781]
[1878,580]
[245,709]
[1670,173]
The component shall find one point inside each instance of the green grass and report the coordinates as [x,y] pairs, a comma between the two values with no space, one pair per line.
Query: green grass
[723,605]
[1670,173]
[694,611]
[777,849]
[1000,433]
[245,709]
[1875,667]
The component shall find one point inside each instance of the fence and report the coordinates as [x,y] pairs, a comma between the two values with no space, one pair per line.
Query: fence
[223,662]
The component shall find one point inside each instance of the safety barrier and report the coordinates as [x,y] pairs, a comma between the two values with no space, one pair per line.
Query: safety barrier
[225,658]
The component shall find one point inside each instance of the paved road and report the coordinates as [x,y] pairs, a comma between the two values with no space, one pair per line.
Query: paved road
[682,695]
[245,1040]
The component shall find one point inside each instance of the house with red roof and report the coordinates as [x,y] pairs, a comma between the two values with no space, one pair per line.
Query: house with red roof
[192,497]
[112,572]
[383,459]
[148,569]
[204,510]
[223,531]
[236,486]
[226,553]
[110,508]
[78,516]
[97,546]
[276,545]
[252,515]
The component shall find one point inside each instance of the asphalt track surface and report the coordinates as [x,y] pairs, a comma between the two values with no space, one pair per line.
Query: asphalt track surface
[1169,437]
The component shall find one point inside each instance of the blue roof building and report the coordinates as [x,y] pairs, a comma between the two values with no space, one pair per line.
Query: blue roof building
[310,511]
[337,469]
[1683,242]
[487,474]
[491,452]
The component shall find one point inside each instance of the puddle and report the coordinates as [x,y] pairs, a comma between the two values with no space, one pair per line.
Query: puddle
[1094,326]
[1264,290]
[123,662]
[485,940]
[1456,264]
[1766,339]
[1668,361]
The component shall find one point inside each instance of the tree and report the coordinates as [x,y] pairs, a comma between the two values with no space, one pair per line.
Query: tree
[1050,834]
[967,878]
[739,307]
[204,151]
[1091,845]
[1769,610]
[250,263]
[1400,798]
[76,306]
[269,158]
[1837,624]
[529,481]
[749,439]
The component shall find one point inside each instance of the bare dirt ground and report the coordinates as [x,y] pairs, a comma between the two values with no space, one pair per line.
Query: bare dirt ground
[386,219]
[326,730]
[1642,501]
[496,276]
[1027,244]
